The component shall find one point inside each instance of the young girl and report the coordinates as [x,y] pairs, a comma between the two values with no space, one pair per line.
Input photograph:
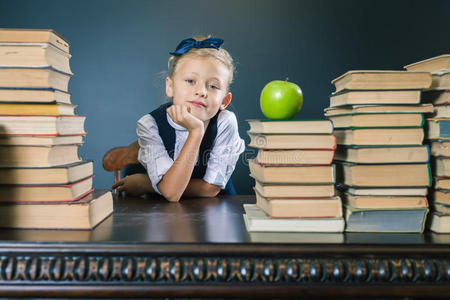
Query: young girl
[190,146]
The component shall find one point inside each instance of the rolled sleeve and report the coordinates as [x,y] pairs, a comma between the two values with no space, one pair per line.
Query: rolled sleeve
[227,148]
[152,152]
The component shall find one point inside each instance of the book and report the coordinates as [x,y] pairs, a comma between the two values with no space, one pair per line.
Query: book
[34,96]
[38,156]
[374,97]
[257,221]
[40,140]
[437,97]
[60,174]
[382,80]
[441,196]
[440,147]
[85,213]
[306,174]
[303,237]
[385,220]
[438,128]
[41,55]
[379,136]
[301,207]
[441,81]
[295,190]
[46,192]
[41,125]
[383,155]
[384,202]
[36,109]
[15,35]
[391,175]
[290,126]
[442,183]
[439,222]
[441,166]
[376,109]
[33,78]
[441,207]
[433,64]
[292,141]
[294,157]
[441,111]
[387,191]
[380,120]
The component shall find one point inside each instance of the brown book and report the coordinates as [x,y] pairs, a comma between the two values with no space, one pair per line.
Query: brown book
[34,96]
[438,128]
[39,140]
[383,155]
[60,174]
[379,136]
[31,36]
[390,175]
[85,213]
[41,109]
[441,81]
[279,207]
[377,120]
[383,202]
[440,148]
[294,190]
[41,125]
[43,78]
[291,126]
[38,156]
[441,167]
[440,223]
[382,80]
[294,157]
[441,196]
[375,109]
[441,111]
[292,141]
[36,56]
[374,97]
[433,64]
[442,183]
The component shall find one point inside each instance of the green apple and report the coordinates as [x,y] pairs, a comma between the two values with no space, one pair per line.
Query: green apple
[281,99]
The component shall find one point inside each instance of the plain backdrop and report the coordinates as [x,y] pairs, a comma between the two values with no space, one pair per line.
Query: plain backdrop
[120,51]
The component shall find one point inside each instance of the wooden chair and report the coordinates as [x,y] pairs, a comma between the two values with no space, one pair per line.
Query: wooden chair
[118,158]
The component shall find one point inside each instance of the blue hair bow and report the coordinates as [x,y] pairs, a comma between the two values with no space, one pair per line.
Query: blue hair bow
[190,43]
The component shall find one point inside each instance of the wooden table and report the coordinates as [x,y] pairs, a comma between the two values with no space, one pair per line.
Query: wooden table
[200,248]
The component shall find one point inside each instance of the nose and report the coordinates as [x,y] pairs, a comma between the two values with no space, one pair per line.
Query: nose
[200,90]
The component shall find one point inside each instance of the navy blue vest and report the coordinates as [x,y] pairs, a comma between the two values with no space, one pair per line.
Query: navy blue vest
[167,134]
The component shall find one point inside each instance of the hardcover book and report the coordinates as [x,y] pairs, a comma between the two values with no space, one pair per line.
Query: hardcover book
[36,109]
[33,78]
[438,129]
[38,156]
[433,64]
[292,141]
[379,120]
[294,190]
[41,125]
[377,109]
[290,126]
[383,155]
[31,36]
[379,136]
[294,157]
[33,96]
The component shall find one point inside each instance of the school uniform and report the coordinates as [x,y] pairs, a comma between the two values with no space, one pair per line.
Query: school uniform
[161,140]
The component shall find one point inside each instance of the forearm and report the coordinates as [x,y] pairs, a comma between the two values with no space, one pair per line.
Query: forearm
[199,188]
[174,182]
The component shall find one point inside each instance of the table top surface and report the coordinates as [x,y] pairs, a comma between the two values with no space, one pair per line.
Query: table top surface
[209,221]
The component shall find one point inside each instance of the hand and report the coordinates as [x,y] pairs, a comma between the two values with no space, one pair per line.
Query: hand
[119,157]
[181,114]
[134,185]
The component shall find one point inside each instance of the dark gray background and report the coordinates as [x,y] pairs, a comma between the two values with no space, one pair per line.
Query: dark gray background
[120,52]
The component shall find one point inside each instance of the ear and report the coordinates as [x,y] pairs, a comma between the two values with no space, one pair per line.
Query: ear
[226,101]
[169,87]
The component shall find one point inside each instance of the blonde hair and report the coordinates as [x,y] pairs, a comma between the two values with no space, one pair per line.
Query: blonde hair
[220,54]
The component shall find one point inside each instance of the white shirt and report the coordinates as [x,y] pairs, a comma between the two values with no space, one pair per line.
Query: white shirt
[227,147]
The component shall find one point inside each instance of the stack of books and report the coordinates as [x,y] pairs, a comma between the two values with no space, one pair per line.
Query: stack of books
[43,182]
[438,136]
[383,166]
[294,177]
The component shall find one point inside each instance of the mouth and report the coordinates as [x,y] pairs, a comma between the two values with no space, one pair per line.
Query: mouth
[197,104]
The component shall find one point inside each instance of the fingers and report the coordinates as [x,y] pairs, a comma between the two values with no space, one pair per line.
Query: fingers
[118,184]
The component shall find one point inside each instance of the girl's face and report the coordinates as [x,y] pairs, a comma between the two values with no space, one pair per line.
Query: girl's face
[202,84]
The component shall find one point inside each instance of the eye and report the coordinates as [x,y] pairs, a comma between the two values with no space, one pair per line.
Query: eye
[190,81]
[214,87]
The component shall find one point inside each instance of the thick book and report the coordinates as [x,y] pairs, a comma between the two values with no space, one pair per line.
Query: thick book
[294,157]
[85,213]
[441,166]
[306,237]
[378,120]
[43,55]
[384,175]
[383,155]
[438,128]
[382,80]
[292,141]
[36,109]
[440,148]
[441,81]
[307,174]
[38,156]
[441,196]
[290,126]
[374,97]
[379,136]
[439,222]
[257,221]
[40,140]
[441,111]
[437,97]
[386,191]
[34,78]
[31,36]
[442,183]
[33,96]
[295,190]
[433,64]
[41,125]
[61,174]
[300,207]
[46,192]
[384,202]
[377,109]
[401,220]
